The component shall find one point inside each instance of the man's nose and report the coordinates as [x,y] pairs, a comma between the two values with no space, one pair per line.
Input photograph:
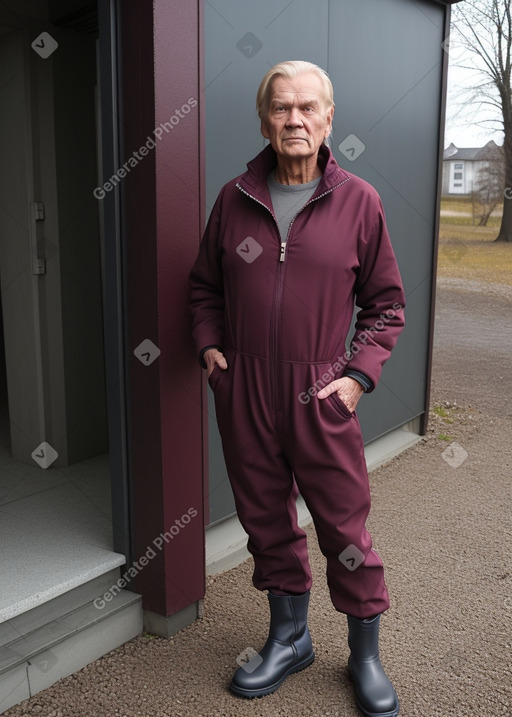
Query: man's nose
[294,117]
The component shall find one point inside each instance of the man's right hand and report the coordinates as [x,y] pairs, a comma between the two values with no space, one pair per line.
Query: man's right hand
[212,357]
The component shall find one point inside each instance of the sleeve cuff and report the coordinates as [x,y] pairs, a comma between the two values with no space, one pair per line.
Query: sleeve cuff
[360,378]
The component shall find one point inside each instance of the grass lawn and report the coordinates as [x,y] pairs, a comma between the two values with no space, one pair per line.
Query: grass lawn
[469,252]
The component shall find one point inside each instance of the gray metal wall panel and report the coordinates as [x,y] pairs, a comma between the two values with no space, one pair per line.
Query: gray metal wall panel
[385,61]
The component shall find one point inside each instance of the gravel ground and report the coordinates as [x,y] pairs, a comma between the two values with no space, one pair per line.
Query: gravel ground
[442,525]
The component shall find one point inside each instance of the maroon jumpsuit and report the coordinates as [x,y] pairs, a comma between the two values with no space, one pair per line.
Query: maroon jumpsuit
[281,315]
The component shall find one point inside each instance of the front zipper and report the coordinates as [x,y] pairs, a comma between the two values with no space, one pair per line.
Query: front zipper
[275,318]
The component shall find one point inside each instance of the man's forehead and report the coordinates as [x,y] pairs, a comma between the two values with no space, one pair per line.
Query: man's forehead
[303,87]
[308,95]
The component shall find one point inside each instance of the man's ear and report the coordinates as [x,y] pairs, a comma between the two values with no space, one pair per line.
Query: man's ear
[330,115]
[264,129]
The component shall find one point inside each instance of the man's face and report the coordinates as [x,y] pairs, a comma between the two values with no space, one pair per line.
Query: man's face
[298,120]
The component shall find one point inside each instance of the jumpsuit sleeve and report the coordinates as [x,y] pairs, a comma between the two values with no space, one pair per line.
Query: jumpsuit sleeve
[206,289]
[381,301]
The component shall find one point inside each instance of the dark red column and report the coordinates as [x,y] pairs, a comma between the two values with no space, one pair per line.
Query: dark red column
[162,189]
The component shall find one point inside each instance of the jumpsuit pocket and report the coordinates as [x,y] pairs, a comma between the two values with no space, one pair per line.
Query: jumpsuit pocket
[339,406]
[214,376]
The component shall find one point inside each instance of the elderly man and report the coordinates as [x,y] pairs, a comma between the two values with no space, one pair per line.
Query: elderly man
[291,245]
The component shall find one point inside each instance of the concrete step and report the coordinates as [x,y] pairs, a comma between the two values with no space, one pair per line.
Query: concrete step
[26,622]
[37,659]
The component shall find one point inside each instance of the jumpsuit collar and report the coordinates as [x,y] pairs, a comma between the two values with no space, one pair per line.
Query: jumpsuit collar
[254,180]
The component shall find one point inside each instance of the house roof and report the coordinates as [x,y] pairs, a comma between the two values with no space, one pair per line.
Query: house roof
[487,152]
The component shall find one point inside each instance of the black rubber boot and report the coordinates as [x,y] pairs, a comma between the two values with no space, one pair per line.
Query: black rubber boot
[288,648]
[375,695]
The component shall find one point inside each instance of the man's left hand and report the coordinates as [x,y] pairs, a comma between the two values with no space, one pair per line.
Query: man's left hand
[348,389]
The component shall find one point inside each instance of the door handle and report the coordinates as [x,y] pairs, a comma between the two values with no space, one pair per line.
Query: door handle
[37,215]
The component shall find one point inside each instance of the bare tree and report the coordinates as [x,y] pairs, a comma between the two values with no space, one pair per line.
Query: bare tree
[488,190]
[484,28]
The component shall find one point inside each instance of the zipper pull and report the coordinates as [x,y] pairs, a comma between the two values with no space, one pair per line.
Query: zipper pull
[283,251]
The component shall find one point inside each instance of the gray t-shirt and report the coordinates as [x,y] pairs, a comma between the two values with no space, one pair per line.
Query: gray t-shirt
[288,200]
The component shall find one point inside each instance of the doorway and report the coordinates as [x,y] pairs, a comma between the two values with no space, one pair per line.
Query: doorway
[55,462]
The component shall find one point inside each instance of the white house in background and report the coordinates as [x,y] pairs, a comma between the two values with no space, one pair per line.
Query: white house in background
[462,166]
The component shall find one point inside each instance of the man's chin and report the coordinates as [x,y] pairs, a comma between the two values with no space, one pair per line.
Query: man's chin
[296,150]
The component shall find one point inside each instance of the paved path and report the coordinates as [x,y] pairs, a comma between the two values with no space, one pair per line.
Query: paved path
[458,213]
[473,345]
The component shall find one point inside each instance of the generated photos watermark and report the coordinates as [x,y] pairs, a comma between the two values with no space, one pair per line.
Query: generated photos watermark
[45,45]
[249,45]
[44,661]
[249,660]
[334,371]
[455,50]
[249,249]
[351,147]
[44,455]
[163,129]
[454,455]
[351,557]
[147,352]
[151,552]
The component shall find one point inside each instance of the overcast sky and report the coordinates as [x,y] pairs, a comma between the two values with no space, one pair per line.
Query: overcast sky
[460,127]
[459,120]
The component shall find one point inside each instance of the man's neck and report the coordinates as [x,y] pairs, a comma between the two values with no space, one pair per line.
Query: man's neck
[299,171]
